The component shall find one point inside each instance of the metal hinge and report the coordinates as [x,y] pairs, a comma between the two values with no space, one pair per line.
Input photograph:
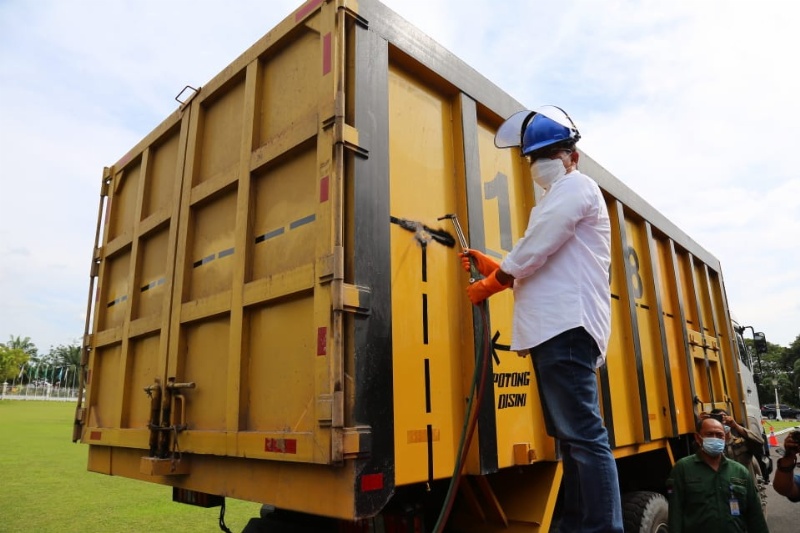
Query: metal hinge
[357,442]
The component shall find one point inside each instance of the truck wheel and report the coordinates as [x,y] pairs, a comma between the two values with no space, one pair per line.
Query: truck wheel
[644,512]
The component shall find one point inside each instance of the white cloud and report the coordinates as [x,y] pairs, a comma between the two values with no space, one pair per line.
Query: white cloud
[692,104]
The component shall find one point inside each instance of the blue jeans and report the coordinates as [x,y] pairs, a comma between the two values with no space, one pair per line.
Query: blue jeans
[565,373]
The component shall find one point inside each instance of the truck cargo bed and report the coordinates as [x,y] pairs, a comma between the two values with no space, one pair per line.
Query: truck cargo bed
[272,319]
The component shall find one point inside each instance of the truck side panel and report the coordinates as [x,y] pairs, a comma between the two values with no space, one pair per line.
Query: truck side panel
[218,273]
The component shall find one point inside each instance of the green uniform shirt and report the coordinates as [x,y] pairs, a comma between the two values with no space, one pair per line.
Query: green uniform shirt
[700,498]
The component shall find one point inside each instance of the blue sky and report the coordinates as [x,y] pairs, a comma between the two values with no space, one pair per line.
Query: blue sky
[692,104]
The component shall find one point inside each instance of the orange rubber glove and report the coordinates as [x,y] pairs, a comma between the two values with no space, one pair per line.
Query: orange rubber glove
[485,264]
[480,290]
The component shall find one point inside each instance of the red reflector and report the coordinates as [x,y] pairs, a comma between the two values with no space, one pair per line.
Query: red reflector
[322,341]
[324,189]
[95,435]
[280,445]
[326,54]
[371,482]
[306,8]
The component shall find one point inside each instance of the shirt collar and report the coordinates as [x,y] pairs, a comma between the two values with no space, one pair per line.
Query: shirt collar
[698,457]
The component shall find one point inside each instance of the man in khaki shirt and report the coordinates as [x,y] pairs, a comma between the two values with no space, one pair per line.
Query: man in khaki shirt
[743,445]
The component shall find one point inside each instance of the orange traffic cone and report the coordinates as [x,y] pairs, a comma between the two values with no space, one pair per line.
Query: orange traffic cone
[773,440]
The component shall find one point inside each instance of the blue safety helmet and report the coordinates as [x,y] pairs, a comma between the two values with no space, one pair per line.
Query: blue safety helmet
[535,130]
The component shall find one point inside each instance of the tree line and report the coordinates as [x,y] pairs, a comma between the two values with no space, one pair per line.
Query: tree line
[779,369]
[21,362]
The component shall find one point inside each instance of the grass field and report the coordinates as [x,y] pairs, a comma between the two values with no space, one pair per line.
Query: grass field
[45,487]
[779,425]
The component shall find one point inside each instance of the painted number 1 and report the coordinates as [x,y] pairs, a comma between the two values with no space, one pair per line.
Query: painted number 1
[498,188]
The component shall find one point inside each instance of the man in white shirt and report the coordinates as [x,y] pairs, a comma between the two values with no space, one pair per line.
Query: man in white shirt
[559,271]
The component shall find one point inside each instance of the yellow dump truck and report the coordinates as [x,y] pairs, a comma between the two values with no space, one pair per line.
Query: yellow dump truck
[278,314]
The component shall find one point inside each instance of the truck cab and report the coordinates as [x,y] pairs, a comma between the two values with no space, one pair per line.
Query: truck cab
[750,372]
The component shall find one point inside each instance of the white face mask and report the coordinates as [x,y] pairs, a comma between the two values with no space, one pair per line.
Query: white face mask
[546,171]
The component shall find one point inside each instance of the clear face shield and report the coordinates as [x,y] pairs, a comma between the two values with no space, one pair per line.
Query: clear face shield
[510,132]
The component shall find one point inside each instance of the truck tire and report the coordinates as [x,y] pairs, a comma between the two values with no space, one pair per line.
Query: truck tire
[644,512]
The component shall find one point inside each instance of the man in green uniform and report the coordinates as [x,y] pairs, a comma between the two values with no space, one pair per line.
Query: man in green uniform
[709,493]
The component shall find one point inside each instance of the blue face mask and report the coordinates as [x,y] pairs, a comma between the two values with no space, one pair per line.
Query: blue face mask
[713,446]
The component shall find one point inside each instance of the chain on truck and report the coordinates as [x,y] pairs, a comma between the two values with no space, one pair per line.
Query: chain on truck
[277,313]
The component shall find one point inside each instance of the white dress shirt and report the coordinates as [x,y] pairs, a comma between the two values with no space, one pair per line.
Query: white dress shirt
[561,266]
